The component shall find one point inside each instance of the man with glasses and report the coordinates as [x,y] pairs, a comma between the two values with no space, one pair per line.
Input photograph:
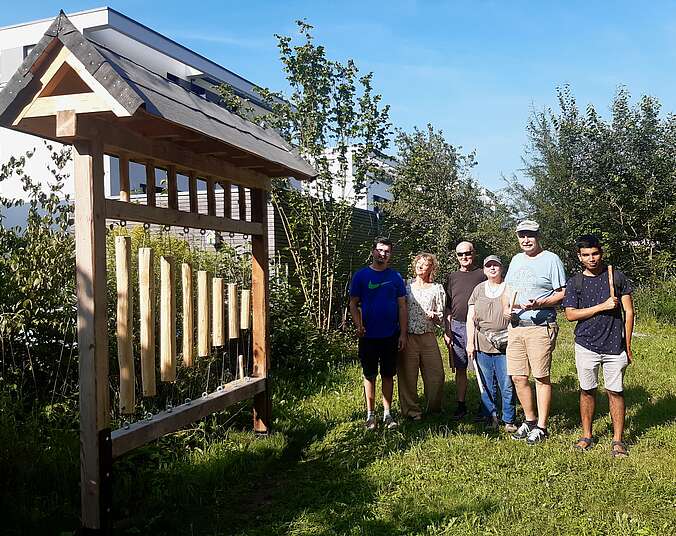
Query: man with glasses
[459,287]
[536,283]
[379,312]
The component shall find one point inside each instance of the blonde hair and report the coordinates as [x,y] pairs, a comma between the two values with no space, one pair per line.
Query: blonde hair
[428,257]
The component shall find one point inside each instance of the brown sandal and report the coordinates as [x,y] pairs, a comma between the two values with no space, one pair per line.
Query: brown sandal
[622,452]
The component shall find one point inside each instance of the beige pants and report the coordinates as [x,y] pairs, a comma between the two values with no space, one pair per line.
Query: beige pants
[421,353]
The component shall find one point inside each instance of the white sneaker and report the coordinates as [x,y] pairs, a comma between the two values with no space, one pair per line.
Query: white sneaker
[522,432]
[537,435]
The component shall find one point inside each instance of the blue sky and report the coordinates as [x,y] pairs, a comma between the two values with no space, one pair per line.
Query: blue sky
[475,69]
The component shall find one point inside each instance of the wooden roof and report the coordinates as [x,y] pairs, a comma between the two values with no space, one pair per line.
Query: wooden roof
[153,117]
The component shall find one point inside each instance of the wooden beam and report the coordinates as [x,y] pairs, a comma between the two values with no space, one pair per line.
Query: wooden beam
[116,138]
[124,177]
[66,123]
[259,296]
[241,202]
[150,183]
[172,187]
[227,199]
[80,102]
[211,196]
[92,327]
[119,210]
[142,432]
[192,190]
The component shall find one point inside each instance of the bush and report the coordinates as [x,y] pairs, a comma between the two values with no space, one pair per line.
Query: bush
[657,301]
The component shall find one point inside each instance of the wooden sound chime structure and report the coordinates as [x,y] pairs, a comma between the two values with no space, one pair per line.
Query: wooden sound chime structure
[211,320]
[72,91]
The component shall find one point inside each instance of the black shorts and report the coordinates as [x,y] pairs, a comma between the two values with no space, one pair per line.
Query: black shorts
[379,351]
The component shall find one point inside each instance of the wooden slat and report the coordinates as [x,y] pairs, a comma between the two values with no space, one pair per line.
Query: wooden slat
[172,187]
[233,312]
[142,432]
[116,138]
[203,314]
[119,210]
[150,183]
[146,281]
[245,310]
[124,324]
[217,306]
[192,189]
[167,320]
[211,197]
[124,177]
[227,199]
[92,327]
[241,203]
[259,298]
[188,315]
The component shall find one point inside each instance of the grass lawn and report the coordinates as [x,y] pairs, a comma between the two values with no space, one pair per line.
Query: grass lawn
[321,473]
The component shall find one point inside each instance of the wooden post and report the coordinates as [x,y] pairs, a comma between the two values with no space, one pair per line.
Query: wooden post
[241,202]
[125,321]
[92,331]
[188,316]
[259,298]
[233,312]
[245,316]
[146,283]
[192,192]
[172,187]
[167,320]
[211,196]
[227,199]
[124,177]
[217,312]
[203,339]
[150,183]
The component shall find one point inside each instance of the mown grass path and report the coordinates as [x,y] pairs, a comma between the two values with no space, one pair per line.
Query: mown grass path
[322,473]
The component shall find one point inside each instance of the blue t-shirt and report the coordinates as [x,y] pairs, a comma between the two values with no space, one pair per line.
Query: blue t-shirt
[603,333]
[378,293]
[536,278]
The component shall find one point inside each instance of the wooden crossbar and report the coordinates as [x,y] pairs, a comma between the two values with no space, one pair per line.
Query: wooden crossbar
[119,210]
[141,432]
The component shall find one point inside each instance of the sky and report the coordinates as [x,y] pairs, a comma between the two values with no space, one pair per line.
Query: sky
[474,69]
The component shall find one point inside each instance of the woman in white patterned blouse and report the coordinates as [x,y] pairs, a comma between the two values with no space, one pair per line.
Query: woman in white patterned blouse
[426,301]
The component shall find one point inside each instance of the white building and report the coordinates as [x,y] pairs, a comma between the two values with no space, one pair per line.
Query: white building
[154,52]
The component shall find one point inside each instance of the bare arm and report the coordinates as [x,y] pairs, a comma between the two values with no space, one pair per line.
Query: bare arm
[470,331]
[573,314]
[550,301]
[403,321]
[628,306]
[355,312]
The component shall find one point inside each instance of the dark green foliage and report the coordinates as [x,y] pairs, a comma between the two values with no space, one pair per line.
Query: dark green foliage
[615,178]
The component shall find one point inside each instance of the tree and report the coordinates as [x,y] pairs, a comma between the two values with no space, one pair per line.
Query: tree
[329,106]
[614,178]
[436,203]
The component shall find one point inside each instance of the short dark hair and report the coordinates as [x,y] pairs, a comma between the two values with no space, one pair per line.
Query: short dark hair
[382,240]
[587,241]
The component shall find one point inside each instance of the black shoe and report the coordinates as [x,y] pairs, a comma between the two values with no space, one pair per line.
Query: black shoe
[459,413]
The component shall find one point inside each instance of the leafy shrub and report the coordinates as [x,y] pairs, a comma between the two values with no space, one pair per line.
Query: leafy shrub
[657,300]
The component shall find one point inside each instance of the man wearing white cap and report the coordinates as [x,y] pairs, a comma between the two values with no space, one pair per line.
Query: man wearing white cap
[536,285]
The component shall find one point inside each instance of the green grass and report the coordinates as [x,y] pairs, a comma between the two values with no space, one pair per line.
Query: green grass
[321,473]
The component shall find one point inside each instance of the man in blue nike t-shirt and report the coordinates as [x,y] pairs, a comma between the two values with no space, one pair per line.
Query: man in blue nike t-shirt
[378,309]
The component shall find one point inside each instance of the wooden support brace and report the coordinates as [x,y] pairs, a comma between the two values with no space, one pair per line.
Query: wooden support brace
[150,183]
[124,178]
[227,199]
[66,123]
[167,320]
[172,187]
[125,321]
[241,202]
[211,197]
[192,192]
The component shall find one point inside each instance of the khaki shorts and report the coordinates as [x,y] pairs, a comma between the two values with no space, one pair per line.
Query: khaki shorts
[529,350]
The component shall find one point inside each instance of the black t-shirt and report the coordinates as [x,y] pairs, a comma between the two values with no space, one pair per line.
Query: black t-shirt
[603,333]
[459,287]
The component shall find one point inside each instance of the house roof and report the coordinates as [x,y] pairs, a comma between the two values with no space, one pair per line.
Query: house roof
[140,93]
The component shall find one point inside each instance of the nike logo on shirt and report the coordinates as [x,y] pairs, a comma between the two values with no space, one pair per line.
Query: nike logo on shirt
[373,286]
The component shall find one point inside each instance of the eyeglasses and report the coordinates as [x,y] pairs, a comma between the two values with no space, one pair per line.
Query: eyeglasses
[464,253]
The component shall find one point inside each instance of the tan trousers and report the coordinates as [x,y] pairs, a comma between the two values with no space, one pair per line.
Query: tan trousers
[421,353]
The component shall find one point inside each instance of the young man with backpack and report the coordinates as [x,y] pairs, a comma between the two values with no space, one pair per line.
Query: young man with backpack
[595,299]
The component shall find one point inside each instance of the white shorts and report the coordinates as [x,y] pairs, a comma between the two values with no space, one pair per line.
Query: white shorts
[588,362]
